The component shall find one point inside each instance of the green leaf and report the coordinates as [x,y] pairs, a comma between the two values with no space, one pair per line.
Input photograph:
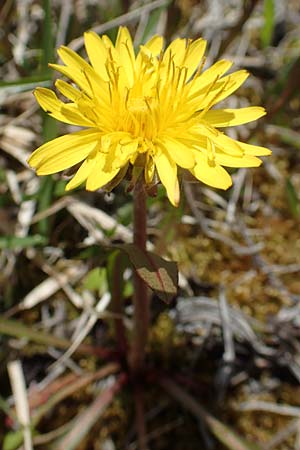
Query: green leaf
[160,275]
[125,214]
[13,440]
[95,280]
[13,242]
[60,188]
[268,28]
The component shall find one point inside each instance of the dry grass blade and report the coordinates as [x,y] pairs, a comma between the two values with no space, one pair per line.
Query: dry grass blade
[86,419]
[229,351]
[91,218]
[208,231]
[21,402]
[121,20]
[17,329]
[51,285]
[282,435]
[193,312]
[257,405]
[85,329]
[79,383]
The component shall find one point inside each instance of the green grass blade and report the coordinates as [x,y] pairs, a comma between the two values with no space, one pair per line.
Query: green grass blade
[292,197]
[269,22]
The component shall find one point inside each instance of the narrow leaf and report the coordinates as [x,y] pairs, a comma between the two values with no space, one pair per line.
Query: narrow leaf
[267,30]
[16,328]
[13,242]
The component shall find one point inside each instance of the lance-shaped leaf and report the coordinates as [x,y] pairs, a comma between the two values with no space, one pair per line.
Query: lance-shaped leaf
[159,274]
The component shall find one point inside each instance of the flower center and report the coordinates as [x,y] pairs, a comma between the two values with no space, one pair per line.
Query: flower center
[139,117]
[137,105]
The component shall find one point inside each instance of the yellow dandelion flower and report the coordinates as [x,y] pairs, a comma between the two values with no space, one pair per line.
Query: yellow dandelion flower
[151,110]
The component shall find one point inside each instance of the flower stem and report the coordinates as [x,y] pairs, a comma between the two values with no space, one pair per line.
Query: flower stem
[140,418]
[140,295]
[117,303]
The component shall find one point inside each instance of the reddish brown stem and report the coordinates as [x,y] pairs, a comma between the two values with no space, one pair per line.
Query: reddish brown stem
[140,418]
[140,295]
[117,306]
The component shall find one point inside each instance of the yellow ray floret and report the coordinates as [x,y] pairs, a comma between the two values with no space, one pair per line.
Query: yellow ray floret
[152,109]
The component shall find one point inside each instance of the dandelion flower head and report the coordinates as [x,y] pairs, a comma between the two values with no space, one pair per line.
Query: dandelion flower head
[151,110]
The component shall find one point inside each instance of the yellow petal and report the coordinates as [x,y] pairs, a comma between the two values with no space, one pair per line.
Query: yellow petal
[74,74]
[210,75]
[234,147]
[154,45]
[237,161]
[64,152]
[111,49]
[225,87]
[233,117]
[220,140]
[177,50]
[72,59]
[149,51]
[254,150]
[97,53]
[83,172]
[211,174]
[167,172]
[126,53]
[194,54]
[68,113]
[98,176]
[88,78]
[180,153]
[149,169]
[123,152]
[125,47]
[68,90]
